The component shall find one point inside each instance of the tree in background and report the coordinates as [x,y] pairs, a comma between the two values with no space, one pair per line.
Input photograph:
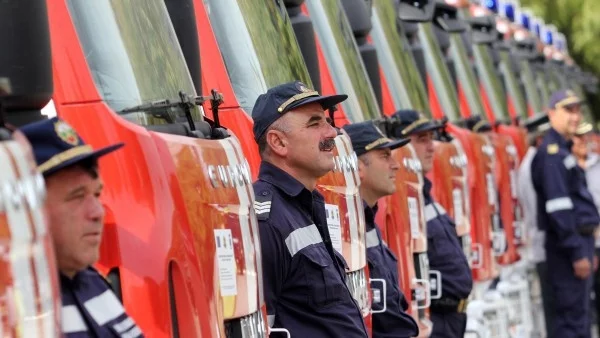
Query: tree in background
[579,21]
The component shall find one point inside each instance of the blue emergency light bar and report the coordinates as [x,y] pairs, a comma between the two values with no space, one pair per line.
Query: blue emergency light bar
[524,20]
[509,11]
[492,5]
[548,37]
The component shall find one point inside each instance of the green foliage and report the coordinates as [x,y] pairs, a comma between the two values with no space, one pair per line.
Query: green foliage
[579,21]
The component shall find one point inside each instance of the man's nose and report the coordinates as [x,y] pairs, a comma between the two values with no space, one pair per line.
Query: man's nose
[96,211]
[331,132]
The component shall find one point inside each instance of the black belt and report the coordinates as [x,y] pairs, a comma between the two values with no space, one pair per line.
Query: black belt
[587,230]
[448,305]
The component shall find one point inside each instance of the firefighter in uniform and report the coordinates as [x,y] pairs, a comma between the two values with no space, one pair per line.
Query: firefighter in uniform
[304,277]
[566,212]
[377,170]
[536,255]
[444,250]
[76,217]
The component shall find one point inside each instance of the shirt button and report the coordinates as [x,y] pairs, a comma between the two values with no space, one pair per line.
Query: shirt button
[264,193]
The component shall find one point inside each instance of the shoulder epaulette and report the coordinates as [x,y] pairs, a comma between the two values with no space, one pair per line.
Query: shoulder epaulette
[552,148]
[262,204]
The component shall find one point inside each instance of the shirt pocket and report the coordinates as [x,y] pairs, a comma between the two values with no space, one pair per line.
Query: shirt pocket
[322,278]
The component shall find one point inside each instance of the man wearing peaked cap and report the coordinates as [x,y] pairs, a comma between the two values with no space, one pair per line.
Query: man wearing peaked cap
[477,124]
[377,170]
[444,249]
[304,276]
[567,213]
[536,254]
[76,219]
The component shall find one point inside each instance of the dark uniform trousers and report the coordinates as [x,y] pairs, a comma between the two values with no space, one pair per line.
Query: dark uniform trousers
[566,212]
[383,264]
[91,309]
[446,256]
[304,277]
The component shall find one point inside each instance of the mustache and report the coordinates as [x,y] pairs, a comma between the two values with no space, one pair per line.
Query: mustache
[327,145]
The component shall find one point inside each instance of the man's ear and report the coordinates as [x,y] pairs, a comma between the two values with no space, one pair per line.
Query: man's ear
[277,141]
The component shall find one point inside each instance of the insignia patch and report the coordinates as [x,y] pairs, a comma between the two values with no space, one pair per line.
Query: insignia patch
[302,87]
[552,148]
[66,133]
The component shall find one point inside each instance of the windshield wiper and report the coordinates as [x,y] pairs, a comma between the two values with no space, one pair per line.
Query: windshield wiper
[186,103]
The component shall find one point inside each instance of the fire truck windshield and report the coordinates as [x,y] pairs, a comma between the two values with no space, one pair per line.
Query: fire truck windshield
[258,46]
[343,59]
[465,74]
[512,84]
[438,72]
[129,70]
[489,78]
[528,80]
[394,55]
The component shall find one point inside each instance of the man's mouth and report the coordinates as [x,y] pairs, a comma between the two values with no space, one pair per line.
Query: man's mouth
[327,145]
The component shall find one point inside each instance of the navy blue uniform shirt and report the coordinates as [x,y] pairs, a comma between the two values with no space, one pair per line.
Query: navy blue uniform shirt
[304,277]
[91,309]
[444,250]
[383,264]
[564,203]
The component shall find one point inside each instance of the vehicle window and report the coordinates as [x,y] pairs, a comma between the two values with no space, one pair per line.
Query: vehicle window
[466,76]
[258,45]
[489,79]
[527,78]
[342,56]
[512,85]
[126,69]
[396,60]
[438,72]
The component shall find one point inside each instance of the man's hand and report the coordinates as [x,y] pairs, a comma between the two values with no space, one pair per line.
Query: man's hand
[582,268]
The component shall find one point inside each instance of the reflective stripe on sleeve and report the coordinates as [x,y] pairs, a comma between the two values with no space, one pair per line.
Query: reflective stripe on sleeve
[570,162]
[104,307]
[271,320]
[430,212]
[71,320]
[301,238]
[558,204]
[372,238]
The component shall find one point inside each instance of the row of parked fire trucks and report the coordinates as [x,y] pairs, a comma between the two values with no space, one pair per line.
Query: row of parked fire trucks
[176,80]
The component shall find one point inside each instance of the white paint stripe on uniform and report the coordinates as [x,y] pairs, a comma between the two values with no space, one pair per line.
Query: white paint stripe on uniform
[71,320]
[301,238]
[247,239]
[104,307]
[558,204]
[124,325]
[372,238]
[570,162]
[271,320]
[133,333]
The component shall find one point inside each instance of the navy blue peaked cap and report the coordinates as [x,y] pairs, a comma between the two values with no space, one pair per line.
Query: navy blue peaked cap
[410,121]
[56,145]
[283,98]
[365,136]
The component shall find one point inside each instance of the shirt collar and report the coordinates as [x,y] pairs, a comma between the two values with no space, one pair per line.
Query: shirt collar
[274,175]
[562,142]
[370,213]
[592,160]
[285,182]
[427,185]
